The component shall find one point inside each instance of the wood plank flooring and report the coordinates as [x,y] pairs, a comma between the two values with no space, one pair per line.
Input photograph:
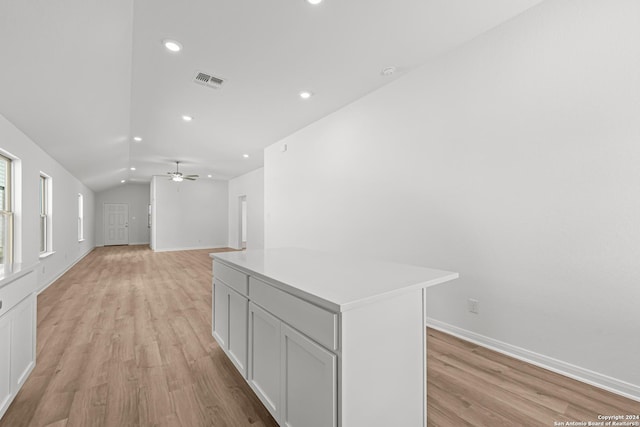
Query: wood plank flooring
[469,385]
[124,339]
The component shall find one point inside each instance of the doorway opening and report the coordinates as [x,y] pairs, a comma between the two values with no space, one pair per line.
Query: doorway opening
[242,221]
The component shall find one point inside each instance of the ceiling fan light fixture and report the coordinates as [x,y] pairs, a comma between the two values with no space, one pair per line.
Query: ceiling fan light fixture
[137,139]
[314,2]
[178,176]
[187,118]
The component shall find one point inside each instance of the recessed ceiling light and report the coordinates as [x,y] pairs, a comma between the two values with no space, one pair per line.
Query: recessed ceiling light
[123,181]
[314,2]
[245,156]
[305,94]
[137,139]
[132,168]
[172,45]
[387,71]
[187,118]
[209,176]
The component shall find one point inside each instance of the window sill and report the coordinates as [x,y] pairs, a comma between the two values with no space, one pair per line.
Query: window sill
[44,255]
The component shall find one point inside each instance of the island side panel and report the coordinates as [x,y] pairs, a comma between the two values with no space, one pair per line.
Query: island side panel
[382,363]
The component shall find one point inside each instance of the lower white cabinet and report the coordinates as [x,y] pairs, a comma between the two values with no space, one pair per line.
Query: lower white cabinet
[308,382]
[230,324]
[17,349]
[295,378]
[23,346]
[220,313]
[264,358]
[5,363]
[237,348]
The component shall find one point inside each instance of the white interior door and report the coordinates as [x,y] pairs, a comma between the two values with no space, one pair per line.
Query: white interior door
[116,224]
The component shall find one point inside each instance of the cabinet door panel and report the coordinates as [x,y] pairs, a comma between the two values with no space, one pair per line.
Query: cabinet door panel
[309,382]
[5,359]
[23,356]
[220,313]
[264,358]
[237,340]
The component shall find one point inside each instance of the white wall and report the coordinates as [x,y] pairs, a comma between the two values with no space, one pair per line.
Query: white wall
[514,160]
[137,197]
[65,192]
[250,185]
[189,215]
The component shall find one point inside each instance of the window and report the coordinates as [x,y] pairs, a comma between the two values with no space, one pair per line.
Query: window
[45,214]
[6,213]
[80,217]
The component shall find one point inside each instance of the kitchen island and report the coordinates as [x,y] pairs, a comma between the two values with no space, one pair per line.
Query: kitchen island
[324,339]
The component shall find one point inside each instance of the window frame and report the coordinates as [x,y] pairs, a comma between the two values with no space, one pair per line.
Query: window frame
[45,214]
[6,211]
[80,217]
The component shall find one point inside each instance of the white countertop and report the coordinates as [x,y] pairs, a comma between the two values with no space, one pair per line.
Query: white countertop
[14,271]
[336,282]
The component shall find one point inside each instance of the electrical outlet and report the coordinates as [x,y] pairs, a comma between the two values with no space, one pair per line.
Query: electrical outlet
[473,305]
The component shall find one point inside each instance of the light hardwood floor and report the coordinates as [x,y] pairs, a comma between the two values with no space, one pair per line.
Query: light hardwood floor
[124,339]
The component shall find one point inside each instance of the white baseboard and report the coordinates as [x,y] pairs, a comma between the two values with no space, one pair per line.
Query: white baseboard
[193,248]
[614,385]
[65,270]
[128,244]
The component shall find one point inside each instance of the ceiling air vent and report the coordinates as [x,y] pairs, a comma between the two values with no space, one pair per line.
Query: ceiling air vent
[208,80]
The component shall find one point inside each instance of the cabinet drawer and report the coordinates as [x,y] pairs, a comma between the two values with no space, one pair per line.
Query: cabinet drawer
[318,323]
[16,291]
[231,277]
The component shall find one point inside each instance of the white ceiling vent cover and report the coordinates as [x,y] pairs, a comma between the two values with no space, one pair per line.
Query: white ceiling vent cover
[205,79]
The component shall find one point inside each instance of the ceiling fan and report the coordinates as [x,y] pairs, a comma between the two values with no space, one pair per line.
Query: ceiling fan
[177,176]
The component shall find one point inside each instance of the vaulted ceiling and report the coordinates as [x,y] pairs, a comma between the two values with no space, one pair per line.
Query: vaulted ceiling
[82,78]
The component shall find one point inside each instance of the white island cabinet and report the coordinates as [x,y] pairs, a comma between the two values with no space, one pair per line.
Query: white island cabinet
[326,340]
[17,330]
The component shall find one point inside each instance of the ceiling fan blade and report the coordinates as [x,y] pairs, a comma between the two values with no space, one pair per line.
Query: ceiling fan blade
[192,176]
[190,179]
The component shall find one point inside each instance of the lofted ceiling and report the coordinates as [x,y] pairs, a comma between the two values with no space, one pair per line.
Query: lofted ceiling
[82,78]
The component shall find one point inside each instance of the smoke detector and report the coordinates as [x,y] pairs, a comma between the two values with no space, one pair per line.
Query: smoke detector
[208,80]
